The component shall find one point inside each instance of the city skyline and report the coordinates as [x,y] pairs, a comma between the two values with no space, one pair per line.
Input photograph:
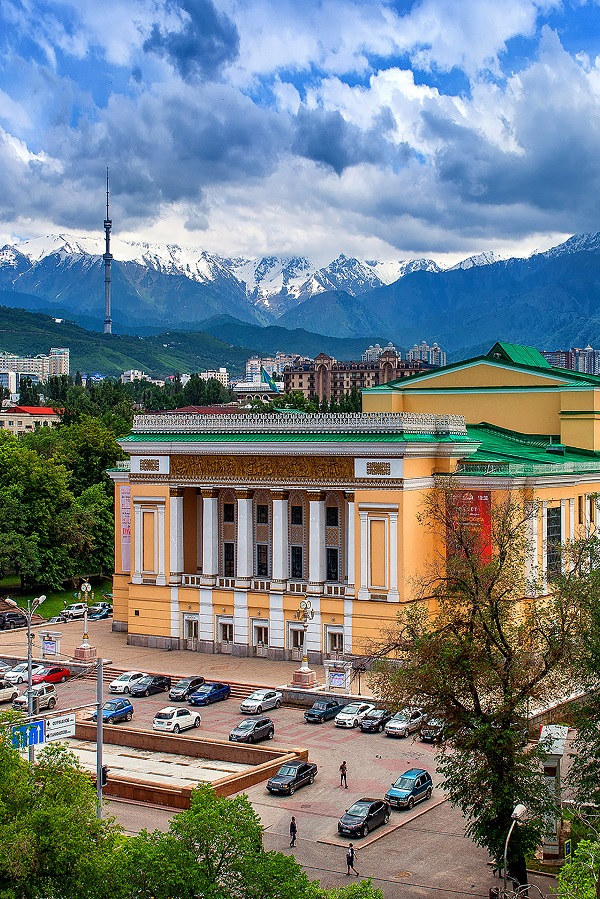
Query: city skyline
[373,128]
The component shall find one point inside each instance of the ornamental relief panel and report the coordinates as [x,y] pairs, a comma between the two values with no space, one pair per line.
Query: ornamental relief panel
[262,468]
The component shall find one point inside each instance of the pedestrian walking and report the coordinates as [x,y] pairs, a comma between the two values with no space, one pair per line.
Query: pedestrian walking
[293,832]
[343,773]
[350,859]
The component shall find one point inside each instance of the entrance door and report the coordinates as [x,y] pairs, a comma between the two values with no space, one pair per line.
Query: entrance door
[297,642]
[190,633]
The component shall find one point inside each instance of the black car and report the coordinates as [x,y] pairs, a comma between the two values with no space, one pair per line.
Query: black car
[182,689]
[150,683]
[12,618]
[251,730]
[432,731]
[375,720]
[363,816]
[292,776]
[323,710]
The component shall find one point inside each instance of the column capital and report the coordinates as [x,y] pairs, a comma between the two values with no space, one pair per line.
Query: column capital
[316,496]
[208,492]
[176,491]
[349,496]
[280,494]
[244,494]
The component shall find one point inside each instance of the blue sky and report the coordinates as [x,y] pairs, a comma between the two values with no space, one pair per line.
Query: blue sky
[377,128]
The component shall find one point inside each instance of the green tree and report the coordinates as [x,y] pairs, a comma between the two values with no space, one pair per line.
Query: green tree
[473,649]
[194,391]
[29,393]
[580,878]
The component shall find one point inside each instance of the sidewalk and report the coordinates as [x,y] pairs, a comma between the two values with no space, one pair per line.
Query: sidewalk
[113,647]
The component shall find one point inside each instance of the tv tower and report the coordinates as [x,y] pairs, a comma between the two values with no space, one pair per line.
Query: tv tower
[107,260]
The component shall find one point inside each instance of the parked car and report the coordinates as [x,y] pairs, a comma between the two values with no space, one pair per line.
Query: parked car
[4,666]
[404,723]
[352,714]
[292,776]
[44,697]
[411,787]
[75,610]
[251,730]
[208,693]
[260,700]
[124,682]
[172,720]
[182,689]
[150,683]
[323,710]
[12,618]
[18,674]
[100,607]
[363,816]
[8,691]
[375,721]
[99,614]
[56,674]
[115,710]
[432,731]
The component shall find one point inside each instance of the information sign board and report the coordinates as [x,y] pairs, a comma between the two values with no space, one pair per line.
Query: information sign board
[30,734]
[60,728]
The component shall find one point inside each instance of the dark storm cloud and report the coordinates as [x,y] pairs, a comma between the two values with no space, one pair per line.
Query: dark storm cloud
[206,41]
[328,139]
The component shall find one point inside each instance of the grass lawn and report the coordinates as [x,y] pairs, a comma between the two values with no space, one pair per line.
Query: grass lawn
[56,599]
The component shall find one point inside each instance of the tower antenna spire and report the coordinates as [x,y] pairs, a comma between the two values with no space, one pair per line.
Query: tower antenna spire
[107,261]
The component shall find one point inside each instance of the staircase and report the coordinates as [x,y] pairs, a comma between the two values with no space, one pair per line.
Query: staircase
[238,691]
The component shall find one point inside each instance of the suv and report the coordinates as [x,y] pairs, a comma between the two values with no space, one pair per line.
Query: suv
[173,720]
[75,610]
[250,730]
[412,786]
[182,689]
[12,618]
[44,697]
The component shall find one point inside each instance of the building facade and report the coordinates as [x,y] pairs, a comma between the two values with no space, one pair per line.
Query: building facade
[325,377]
[25,419]
[223,524]
[39,368]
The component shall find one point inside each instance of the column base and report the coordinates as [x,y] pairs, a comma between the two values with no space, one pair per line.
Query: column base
[304,677]
[85,653]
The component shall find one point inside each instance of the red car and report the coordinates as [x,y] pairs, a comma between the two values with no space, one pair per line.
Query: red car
[54,675]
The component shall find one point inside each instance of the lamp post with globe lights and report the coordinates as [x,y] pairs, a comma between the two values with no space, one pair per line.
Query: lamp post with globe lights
[85,652]
[32,605]
[304,676]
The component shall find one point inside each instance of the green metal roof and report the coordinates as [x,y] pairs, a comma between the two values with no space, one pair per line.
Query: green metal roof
[233,437]
[507,453]
[522,355]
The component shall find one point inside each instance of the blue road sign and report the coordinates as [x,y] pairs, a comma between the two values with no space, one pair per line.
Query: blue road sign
[567,850]
[31,734]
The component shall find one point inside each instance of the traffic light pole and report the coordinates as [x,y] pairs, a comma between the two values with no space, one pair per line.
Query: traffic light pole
[99,723]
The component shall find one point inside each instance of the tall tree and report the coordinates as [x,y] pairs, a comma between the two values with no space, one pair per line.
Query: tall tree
[473,649]
[29,393]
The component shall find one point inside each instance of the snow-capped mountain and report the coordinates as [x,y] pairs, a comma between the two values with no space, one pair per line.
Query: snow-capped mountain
[480,259]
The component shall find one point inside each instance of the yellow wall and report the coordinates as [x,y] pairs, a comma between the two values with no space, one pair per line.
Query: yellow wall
[483,375]
[154,607]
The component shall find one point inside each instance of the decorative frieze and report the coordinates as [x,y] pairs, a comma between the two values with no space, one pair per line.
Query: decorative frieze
[261,468]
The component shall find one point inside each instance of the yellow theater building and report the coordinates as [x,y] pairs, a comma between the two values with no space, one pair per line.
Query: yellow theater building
[224,523]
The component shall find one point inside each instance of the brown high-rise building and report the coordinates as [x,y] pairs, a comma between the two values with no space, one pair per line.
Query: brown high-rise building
[325,377]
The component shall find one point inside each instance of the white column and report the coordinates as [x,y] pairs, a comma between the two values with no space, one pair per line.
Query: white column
[363,592]
[276,621]
[532,560]
[350,588]
[240,617]
[175,535]
[587,515]
[563,530]
[206,618]
[571,519]
[544,546]
[159,542]
[210,538]
[348,612]
[316,543]
[245,540]
[280,541]
[393,595]
[199,513]
[136,577]
[175,618]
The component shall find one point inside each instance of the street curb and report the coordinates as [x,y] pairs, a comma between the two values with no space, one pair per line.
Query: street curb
[385,833]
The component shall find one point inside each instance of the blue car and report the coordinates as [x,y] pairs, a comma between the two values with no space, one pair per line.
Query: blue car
[411,787]
[209,693]
[115,710]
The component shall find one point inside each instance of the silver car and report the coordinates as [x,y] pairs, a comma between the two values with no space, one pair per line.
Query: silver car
[404,723]
[122,683]
[260,700]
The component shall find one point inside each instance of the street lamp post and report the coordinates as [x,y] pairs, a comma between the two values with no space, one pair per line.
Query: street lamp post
[304,676]
[85,652]
[31,607]
[518,816]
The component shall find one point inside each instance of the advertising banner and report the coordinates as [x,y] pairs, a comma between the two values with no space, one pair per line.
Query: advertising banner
[125,491]
[473,509]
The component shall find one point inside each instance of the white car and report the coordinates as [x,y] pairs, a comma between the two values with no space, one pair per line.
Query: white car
[172,719]
[44,697]
[352,714]
[75,610]
[8,692]
[404,723]
[18,674]
[122,683]
[260,700]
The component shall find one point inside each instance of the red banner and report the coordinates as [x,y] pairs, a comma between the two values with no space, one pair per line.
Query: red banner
[471,509]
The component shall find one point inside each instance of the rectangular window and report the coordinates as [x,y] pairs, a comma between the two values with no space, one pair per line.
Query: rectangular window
[297,563]
[296,514]
[228,560]
[262,560]
[580,506]
[553,541]
[336,641]
[226,632]
[262,514]
[331,516]
[228,512]
[261,636]
[332,564]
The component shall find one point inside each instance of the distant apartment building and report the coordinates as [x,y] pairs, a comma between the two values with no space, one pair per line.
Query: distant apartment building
[8,380]
[271,364]
[133,374]
[586,360]
[373,353]
[325,377]
[39,368]
[24,419]
[221,375]
[422,352]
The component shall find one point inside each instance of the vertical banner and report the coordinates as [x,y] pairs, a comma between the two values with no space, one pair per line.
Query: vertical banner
[125,505]
[473,509]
